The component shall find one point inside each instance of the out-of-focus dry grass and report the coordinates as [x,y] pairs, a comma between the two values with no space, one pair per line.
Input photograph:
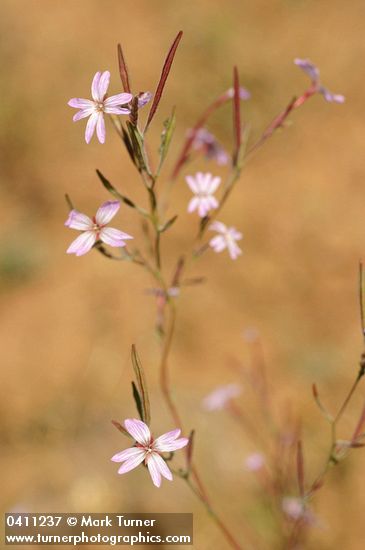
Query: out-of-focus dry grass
[67,324]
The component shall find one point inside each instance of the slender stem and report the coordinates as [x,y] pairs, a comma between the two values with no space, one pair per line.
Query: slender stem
[350,394]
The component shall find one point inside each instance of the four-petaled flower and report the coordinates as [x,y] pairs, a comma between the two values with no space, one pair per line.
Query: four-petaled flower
[313,72]
[99,105]
[226,239]
[95,229]
[149,450]
[203,186]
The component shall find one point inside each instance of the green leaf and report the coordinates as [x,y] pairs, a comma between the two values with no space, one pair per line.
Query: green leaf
[168,224]
[69,202]
[138,400]
[109,187]
[141,386]
[166,136]
[128,144]
[137,146]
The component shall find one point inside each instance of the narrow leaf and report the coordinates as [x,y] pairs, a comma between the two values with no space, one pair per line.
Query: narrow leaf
[69,202]
[138,400]
[109,187]
[128,144]
[164,74]
[178,271]
[236,116]
[137,145]
[168,224]
[169,127]
[119,427]
[142,386]
[123,70]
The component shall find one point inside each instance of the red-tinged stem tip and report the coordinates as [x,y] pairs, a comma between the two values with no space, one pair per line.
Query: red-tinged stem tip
[123,70]
[164,74]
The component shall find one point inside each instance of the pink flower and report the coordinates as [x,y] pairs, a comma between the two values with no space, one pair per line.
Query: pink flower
[243,93]
[99,105]
[149,450]
[220,397]
[296,509]
[206,142]
[144,98]
[254,462]
[313,72]
[95,229]
[226,239]
[203,186]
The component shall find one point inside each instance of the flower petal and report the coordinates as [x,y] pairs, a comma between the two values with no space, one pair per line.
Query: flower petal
[103,84]
[114,237]
[191,181]
[80,103]
[214,184]
[132,462]
[116,111]
[95,86]
[193,204]
[308,67]
[100,128]
[82,114]
[172,444]
[90,127]
[330,96]
[153,468]
[119,99]
[218,243]
[127,454]
[139,430]
[82,244]
[144,98]
[218,226]
[77,220]
[165,438]
[233,249]
[106,212]
[161,466]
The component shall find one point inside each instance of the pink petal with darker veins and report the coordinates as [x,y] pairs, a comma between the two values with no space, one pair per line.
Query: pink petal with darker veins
[119,99]
[100,128]
[82,114]
[77,220]
[127,454]
[114,237]
[82,244]
[103,84]
[139,430]
[162,466]
[80,103]
[153,468]
[90,127]
[132,462]
[106,212]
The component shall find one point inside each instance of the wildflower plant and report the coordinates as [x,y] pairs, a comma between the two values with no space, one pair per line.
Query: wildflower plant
[210,193]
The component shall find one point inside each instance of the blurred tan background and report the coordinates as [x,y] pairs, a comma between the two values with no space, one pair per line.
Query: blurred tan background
[67,323]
